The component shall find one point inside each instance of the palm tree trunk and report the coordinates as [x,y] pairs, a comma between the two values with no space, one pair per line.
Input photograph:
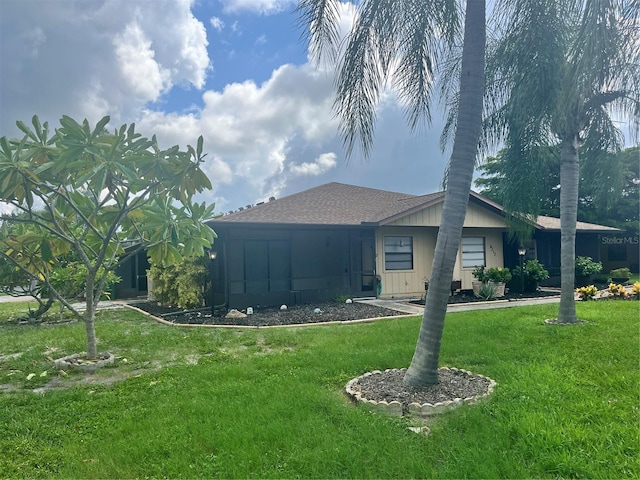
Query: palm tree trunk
[569,180]
[423,370]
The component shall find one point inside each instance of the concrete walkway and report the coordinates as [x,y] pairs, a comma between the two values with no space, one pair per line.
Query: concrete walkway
[404,305]
[77,305]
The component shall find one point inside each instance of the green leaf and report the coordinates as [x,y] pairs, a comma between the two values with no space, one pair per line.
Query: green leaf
[45,250]
[27,131]
[100,126]
[199,146]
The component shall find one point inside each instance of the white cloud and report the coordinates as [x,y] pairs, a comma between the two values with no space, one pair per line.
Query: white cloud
[262,139]
[322,164]
[218,171]
[264,7]
[251,128]
[217,23]
[129,53]
[146,78]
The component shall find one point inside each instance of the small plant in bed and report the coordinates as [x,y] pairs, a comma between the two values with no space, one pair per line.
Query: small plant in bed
[487,292]
[620,275]
[498,274]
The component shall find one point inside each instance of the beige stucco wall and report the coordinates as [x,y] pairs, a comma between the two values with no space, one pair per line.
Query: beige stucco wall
[493,253]
[407,283]
[423,227]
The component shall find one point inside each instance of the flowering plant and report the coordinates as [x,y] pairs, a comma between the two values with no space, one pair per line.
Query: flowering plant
[617,290]
[498,274]
[587,293]
[635,290]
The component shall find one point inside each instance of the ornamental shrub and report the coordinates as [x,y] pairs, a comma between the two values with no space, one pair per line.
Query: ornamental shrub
[534,273]
[635,291]
[487,292]
[617,291]
[498,274]
[621,274]
[183,284]
[585,266]
[587,293]
[480,274]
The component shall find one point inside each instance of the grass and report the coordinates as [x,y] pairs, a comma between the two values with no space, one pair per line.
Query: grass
[269,402]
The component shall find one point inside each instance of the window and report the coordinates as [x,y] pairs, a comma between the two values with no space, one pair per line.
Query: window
[398,253]
[473,253]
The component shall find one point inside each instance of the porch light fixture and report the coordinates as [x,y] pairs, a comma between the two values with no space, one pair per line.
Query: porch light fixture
[522,251]
[212,254]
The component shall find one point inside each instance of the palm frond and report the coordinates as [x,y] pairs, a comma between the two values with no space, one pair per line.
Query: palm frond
[319,21]
[392,44]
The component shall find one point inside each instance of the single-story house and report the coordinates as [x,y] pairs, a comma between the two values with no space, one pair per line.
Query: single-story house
[338,239]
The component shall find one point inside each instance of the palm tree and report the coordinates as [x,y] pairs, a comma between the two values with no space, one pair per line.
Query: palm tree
[401,41]
[557,85]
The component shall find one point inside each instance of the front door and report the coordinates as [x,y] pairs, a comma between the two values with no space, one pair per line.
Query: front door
[362,254]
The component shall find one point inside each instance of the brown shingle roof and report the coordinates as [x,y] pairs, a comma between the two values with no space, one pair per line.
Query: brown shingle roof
[552,223]
[341,204]
[329,204]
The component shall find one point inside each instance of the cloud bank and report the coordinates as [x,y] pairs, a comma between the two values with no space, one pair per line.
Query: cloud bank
[137,61]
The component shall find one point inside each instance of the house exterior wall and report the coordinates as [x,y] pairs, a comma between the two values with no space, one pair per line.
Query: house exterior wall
[494,255]
[406,283]
[410,282]
[619,251]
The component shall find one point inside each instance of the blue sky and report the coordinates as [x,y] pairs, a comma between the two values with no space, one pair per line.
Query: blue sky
[234,71]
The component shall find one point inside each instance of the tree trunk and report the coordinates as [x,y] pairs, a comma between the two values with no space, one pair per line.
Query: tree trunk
[569,180]
[89,319]
[423,370]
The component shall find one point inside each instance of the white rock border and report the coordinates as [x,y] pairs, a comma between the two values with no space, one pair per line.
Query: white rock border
[64,363]
[425,410]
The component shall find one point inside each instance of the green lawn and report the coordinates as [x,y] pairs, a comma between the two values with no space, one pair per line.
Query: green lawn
[213,403]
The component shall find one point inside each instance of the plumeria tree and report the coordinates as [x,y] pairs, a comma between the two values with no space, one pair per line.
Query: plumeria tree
[91,193]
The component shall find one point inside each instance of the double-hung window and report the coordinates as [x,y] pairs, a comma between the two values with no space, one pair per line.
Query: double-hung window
[398,253]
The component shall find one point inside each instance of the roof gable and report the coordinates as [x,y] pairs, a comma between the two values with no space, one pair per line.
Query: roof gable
[349,205]
[329,204]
